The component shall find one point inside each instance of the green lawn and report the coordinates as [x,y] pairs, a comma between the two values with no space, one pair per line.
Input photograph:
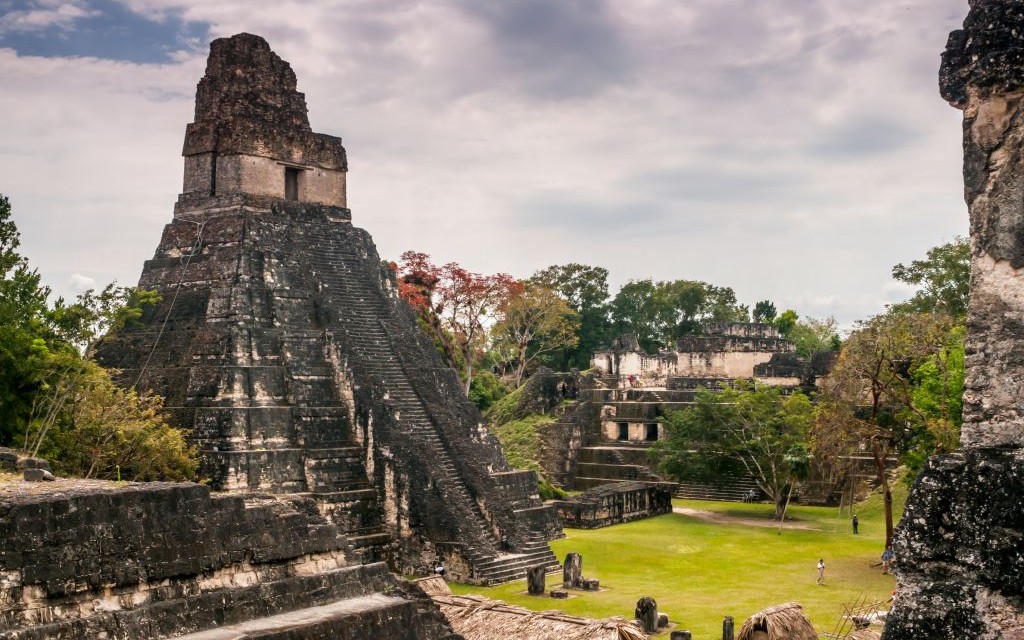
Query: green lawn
[700,571]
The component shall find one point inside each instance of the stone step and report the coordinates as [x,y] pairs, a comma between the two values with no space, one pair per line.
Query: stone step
[364,612]
[370,539]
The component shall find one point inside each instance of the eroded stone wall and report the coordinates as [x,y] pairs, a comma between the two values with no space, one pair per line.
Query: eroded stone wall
[85,559]
[960,545]
[616,503]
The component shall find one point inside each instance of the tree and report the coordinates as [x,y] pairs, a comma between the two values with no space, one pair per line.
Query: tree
[937,401]
[943,277]
[418,279]
[785,322]
[93,315]
[661,313]
[757,428]
[534,321]
[870,389]
[637,309]
[811,336]
[54,401]
[466,304]
[114,433]
[585,288]
[27,337]
[764,311]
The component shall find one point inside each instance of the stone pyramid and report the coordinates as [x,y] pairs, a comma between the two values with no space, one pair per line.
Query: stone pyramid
[281,344]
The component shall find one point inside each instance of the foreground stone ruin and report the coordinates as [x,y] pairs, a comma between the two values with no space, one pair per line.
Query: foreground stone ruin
[281,344]
[959,547]
[90,559]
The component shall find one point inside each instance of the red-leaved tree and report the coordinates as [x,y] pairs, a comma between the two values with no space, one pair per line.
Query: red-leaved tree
[457,307]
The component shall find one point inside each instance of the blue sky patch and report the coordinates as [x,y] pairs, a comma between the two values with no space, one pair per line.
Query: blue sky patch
[98,28]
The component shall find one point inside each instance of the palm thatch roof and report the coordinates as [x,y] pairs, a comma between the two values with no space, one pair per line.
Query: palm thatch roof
[479,618]
[781,622]
[434,586]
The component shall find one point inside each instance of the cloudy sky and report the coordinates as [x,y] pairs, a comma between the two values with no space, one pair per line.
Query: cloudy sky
[792,149]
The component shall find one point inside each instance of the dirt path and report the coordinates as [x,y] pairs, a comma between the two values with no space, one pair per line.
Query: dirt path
[721,518]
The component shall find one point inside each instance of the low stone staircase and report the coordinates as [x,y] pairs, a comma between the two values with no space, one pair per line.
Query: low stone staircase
[625,462]
[342,273]
[733,490]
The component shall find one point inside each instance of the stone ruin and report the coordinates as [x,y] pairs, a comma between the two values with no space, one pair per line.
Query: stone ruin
[281,345]
[92,559]
[616,503]
[725,352]
[960,546]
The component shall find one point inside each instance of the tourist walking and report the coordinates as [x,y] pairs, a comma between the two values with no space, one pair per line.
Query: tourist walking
[887,556]
[856,523]
[821,571]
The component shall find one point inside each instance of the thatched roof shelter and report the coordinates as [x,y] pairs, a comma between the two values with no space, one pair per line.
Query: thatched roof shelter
[479,618]
[781,622]
[434,586]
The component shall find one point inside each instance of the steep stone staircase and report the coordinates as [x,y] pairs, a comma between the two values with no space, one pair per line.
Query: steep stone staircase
[344,285]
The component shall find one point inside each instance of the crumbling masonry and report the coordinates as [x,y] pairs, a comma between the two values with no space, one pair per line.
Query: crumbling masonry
[960,546]
[281,344]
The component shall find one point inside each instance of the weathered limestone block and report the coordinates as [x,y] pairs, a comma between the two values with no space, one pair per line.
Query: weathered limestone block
[38,475]
[662,620]
[87,559]
[647,614]
[728,628]
[535,580]
[958,549]
[572,570]
[590,584]
[8,460]
[983,75]
[559,594]
[681,635]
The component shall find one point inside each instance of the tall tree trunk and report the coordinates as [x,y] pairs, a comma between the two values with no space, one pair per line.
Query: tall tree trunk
[883,481]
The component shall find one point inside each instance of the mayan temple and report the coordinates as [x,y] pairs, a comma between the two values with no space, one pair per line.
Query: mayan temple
[959,546]
[281,344]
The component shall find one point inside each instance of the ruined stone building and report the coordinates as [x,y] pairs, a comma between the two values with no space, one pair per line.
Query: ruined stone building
[960,546]
[626,403]
[724,352]
[339,447]
[281,345]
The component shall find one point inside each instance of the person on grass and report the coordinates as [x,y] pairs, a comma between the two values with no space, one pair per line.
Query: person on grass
[821,571]
[886,560]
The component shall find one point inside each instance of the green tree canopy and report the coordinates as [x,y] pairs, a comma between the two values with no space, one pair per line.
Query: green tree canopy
[872,385]
[56,402]
[813,335]
[659,313]
[764,311]
[943,277]
[585,289]
[755,428]
[533,321]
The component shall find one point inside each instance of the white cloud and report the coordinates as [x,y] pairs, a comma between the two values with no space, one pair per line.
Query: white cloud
[80,283]
[776,147]
[44,15]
